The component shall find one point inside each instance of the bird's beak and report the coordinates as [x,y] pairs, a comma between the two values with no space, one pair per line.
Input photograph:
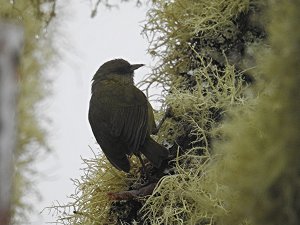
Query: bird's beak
[136,66]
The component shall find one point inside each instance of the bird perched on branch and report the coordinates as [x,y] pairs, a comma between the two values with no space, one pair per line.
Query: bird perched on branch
[121,117]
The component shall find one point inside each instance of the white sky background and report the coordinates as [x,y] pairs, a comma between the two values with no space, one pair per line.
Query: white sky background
[85,44]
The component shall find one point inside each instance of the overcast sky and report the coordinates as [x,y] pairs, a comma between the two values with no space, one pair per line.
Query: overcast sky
[85,44]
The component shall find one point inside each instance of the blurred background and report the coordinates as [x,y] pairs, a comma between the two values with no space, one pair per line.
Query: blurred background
[75,46]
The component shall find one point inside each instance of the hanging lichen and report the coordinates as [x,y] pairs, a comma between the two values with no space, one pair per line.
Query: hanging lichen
[34,17]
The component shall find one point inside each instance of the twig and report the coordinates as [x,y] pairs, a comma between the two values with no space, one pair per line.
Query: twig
[132,194]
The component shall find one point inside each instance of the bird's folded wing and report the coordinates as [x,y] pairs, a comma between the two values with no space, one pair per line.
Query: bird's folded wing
[129,119]
[130,125]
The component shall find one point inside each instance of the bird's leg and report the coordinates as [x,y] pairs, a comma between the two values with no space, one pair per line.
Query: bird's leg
[143,165]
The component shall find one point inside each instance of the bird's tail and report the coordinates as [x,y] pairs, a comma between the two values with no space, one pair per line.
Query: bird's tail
[154,152]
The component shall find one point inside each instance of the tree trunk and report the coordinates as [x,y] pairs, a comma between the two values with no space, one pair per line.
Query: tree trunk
[10,46]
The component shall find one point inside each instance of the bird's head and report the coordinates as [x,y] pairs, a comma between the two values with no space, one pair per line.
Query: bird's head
[116,67]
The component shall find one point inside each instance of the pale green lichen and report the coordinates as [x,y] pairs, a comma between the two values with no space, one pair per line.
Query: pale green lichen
[187,197]
[199,92]
[180,199]
[253,175]
[202,74]
[91,204]
[259,164]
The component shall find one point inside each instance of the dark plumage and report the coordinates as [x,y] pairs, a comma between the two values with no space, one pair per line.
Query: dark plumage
[121,117]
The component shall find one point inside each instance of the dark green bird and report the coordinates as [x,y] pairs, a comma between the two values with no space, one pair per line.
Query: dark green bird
[121,117]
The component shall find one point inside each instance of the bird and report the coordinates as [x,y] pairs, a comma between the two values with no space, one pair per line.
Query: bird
[121,117]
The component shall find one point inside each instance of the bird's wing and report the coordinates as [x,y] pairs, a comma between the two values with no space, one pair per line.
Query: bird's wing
[129,119]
